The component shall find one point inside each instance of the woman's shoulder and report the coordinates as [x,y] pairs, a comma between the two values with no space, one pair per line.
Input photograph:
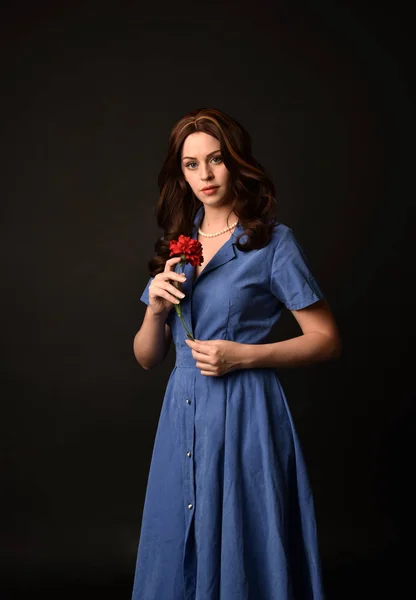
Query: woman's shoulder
[280,232]
[280,228]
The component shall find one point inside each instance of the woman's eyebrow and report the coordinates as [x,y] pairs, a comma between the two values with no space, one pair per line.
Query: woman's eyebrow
[208,155]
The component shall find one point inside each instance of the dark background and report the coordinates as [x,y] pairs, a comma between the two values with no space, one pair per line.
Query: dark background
[90,92]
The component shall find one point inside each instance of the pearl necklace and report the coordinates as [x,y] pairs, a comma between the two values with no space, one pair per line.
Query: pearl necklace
[210,235]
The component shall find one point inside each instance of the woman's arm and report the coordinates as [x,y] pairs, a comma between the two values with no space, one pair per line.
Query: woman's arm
[320,341]
[152,341]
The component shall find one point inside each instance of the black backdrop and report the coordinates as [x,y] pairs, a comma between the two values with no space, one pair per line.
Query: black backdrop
[90,92]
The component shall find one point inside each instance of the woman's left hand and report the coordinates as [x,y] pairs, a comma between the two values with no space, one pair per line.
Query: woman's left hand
[216,357]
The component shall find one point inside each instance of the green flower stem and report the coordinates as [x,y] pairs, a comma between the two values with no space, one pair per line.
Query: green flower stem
[188,333]
[178,307]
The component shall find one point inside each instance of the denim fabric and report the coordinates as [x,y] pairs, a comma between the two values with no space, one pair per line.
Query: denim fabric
[228,512]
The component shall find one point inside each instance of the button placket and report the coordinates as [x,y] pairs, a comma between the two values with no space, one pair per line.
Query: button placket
[189,441]
[188,414]
[187,460]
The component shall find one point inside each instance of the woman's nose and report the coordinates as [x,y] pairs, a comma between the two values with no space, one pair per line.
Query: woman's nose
[205,173]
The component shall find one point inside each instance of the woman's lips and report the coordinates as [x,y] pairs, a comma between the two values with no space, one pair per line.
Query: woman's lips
[211,191]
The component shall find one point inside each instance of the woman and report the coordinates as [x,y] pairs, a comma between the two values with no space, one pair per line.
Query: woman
[228,511]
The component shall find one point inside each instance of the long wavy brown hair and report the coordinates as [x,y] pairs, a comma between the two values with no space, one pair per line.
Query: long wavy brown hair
[252,190]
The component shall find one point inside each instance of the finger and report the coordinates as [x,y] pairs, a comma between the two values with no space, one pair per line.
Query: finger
[205,367]
[206,343]
[165,285]
[201,357]
[161,292]
[198,346]
[200,349]
[166,275]
[170,276]
[169,288]
[172,262]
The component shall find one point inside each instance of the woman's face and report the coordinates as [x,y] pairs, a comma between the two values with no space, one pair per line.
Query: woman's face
[202,166]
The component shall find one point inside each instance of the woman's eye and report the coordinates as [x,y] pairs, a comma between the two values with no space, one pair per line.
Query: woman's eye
[194,163]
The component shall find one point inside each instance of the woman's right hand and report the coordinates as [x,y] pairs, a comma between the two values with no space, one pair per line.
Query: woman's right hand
[162,294]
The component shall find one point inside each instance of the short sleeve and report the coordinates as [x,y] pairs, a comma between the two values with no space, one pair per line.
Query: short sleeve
[145,295]
[292,281]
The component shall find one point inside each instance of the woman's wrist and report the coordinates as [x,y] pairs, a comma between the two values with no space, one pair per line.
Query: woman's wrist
[159,316]
[247,354]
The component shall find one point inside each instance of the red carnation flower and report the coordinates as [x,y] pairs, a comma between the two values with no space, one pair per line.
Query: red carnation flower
[190,251]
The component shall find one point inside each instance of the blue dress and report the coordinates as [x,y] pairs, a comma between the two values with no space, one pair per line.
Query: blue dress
[228,512]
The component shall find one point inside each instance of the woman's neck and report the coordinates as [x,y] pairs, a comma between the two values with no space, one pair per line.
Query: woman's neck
[217,218]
